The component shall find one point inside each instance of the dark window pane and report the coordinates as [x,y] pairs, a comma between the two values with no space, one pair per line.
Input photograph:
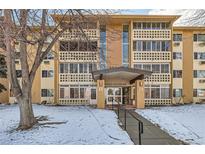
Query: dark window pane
[64,46]
[83,46]
[92,46]
[62,93]
[73,46]
[82,92]
[93,93]
[177,74]
[44,74]
[195,37]
[19,73]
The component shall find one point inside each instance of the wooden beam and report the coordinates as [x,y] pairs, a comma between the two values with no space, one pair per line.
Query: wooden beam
[140,77]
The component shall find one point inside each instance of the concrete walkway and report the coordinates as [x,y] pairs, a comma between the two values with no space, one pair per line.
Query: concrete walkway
[152,134]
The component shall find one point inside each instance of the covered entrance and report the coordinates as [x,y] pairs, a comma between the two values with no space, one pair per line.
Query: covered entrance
[114,86]
[113,95]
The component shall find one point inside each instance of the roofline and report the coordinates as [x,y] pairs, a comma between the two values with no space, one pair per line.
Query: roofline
[128,16]
[189,27]
[143,16]
[121,68]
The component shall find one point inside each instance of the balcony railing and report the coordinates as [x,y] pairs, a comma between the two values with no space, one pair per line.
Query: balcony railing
[141,34]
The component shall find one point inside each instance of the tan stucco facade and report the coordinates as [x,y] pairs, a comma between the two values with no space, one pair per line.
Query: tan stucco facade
[114,48]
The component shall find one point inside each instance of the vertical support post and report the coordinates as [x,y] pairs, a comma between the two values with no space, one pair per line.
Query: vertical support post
[140,129]
[125,118]
[139,94]
[100,94]
[112,103]
[118,110]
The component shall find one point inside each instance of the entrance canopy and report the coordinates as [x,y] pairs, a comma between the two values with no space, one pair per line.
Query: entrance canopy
[120,76]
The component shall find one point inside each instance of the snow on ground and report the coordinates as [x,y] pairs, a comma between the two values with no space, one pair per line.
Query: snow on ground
[84,125]
[186,123]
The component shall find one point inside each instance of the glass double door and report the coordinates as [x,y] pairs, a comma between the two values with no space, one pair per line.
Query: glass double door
[113,95]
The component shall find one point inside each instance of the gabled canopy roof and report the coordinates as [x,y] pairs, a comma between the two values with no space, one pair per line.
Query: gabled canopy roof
[120,75]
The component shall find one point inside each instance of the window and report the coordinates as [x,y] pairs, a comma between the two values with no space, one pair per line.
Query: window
[125,44]
[199,37]
[83,46]
[73,46]
[177,74]
[137,25]
[64,46]
[82,92]
[165,94]
[137,46]
[83,68]
[73,68]
[92,46]
[74,92]
[199,92]
[147,92]
[92,67]
[19,73]
[147,67]
[155,91]
[47,73]
[177,55]
[62,93]
[102,46]
[177,92]
[199,55]
[125,33]
[177,37]
[155,68]
[93,93]
[164,25]
[64,68]
[155,25]
[138,66]
[199,73]
[49,56]
[165,45]
[46,92]
[148,46]
[164,68]
[91,25]
[154,46]
[125,53]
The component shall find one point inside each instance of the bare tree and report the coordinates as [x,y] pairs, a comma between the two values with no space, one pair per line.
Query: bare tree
[32,28]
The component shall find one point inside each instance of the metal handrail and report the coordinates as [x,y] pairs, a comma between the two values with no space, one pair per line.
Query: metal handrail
[140,123]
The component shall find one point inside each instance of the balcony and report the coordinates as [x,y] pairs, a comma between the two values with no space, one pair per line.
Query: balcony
[153,56]
[75,77]
[141,34]
[76,34]
[78,56]
[159,78]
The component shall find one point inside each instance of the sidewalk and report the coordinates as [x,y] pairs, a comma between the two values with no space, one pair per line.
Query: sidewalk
[152,135]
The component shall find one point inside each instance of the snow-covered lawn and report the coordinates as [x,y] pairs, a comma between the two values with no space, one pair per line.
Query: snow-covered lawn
[186,123]
[84,125]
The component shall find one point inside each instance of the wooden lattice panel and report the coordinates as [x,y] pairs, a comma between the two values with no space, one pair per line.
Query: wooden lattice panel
[77,56]
[76,34]
[73,101]
[140,56]
[157,78]
[140,34]
[65,77]
[156,102]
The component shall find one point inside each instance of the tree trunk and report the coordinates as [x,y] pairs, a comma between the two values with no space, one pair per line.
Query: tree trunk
[27,119]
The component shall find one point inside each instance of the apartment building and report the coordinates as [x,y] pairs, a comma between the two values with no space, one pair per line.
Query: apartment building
[175,56]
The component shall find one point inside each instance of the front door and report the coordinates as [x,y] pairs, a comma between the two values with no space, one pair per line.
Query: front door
[113,95]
